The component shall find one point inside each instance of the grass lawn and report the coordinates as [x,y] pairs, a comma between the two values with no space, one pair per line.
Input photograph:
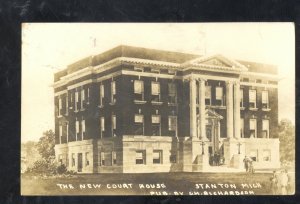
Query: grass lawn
[139,184]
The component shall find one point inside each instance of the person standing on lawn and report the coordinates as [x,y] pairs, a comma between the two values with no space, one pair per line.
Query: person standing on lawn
[284,181]
[250,166]
[246,163]
[274,183]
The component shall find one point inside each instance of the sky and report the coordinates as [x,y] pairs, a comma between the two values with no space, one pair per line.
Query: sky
[49,47]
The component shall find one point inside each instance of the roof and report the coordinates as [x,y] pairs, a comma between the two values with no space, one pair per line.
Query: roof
[151,54]
[133,52]
[259,67]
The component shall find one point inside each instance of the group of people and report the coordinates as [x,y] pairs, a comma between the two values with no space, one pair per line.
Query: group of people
[216,159]
[248,164]
[280,182]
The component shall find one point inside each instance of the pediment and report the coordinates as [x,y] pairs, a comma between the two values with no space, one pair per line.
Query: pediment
[215,63]
[212,114]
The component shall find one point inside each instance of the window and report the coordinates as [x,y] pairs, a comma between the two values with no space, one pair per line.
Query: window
[272,82]
[173,158]
[88,96]
[258,81]
[73,159]
[253,155]
[139,124]
[60,133]
[172,72]
[102,126]
[219,96]
[59,106]
[102,159]
[77,130]
[266,154]
[252,98]
[207,95]
[67,104]
[60,159]
[87,161]
[82,98]
[155,91]
[242,98]
[172,122]
[253,131]
[113,158]
[172,98]
[245,79]
[155,125]
[113,92]
[265,128]
[265,99]
[140,157]
[67,131]
[155,70]
[138,69]
[242,127]
[101,103]
[76,101]
[157,156]
[138,90]
[71,99]
[113,125]
[83,129]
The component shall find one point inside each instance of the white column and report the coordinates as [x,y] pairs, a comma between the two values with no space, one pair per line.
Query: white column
[193,113]
[229,106]
[237,113]
[202,109]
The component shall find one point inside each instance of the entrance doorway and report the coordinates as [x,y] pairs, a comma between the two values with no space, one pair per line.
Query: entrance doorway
[79,167]
[213,135]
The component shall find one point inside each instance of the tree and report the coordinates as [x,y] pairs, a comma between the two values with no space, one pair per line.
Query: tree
[46,144]
[286,133]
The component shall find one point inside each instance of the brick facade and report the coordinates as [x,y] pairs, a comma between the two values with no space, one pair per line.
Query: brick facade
[79,112]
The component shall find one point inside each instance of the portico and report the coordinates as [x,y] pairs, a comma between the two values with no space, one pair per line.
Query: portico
[204,120]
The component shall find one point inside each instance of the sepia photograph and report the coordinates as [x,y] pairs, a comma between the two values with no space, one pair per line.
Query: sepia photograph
[158,109]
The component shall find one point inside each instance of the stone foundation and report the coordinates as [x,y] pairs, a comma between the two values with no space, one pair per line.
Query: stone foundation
[136,154]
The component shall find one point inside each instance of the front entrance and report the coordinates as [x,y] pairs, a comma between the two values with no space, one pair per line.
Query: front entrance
[79,167]
[213,135]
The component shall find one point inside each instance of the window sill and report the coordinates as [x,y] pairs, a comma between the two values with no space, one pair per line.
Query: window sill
[242,108]
[76,111]
[253,109]
[139,102]
[101,106]
[71,107]
[266,109]
[156,102]
[112,103]
[59,116]
[172,104]
[82,109]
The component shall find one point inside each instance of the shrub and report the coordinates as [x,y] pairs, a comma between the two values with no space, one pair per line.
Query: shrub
[42,167]
[61,169]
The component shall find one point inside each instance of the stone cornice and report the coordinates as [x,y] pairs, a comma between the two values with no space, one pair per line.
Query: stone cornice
[236,68]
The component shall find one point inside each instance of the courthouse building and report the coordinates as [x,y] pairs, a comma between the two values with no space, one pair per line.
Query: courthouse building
[131,110]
